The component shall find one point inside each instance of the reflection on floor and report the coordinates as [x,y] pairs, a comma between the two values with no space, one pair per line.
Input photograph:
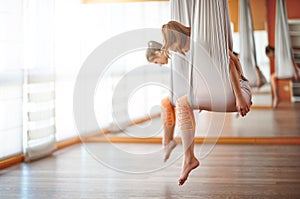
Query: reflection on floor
[281,122]
[137,171]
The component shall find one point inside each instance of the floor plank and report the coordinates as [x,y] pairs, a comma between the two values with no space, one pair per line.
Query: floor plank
[91,171]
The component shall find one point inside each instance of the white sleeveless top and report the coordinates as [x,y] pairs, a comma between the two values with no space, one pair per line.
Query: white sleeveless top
[179,75]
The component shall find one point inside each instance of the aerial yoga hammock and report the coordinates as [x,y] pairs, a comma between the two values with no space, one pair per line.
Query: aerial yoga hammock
[216,82]
[247,47]
[284,66]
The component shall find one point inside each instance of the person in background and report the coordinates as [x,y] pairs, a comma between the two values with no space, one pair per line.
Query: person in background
[270,52]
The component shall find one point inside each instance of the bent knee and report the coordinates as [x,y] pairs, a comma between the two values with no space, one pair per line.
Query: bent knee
[182,101]
[184,114]
[165,102]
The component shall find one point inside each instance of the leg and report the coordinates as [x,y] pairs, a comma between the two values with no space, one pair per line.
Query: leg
[186,122]
[240,102]
[168,118]
[274,90]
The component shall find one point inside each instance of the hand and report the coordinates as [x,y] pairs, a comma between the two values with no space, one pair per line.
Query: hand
[241,106]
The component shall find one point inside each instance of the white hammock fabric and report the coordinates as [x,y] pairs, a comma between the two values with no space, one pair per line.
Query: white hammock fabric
[210,86]
[179,76]
[283,50]
[247,44]
[181,11]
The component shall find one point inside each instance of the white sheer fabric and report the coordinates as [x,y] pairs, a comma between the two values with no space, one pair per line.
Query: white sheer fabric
[283,50]
[181,11]
[39,120]
[81,28]
[211,35]
[11,78]
[11,119]
[247,43]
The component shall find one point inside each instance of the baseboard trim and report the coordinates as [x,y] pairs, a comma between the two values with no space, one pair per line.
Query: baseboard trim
[199,140]
[11,161]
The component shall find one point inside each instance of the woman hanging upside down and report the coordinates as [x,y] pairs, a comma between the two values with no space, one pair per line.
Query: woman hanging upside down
[173,41]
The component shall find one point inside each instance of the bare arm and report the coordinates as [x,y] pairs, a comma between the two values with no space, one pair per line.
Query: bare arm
[236,61]
[241,104]
[258,74]
[296,75]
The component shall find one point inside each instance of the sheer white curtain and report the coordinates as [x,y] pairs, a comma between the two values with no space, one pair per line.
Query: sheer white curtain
[68,20]
[79,29]
[11,77]
[39,34]
[39,120]
[283,48]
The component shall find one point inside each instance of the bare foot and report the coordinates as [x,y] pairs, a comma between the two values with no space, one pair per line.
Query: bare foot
[169,148]
[275,102]
[186,169]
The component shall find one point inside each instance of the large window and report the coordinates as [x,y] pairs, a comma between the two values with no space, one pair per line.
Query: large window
[11,77]
[79,29]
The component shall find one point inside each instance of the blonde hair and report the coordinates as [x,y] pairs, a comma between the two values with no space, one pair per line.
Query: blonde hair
[175,33]
[153,47]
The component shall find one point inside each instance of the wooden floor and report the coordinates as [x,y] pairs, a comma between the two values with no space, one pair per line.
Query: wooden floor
[281,122]
[90,171]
